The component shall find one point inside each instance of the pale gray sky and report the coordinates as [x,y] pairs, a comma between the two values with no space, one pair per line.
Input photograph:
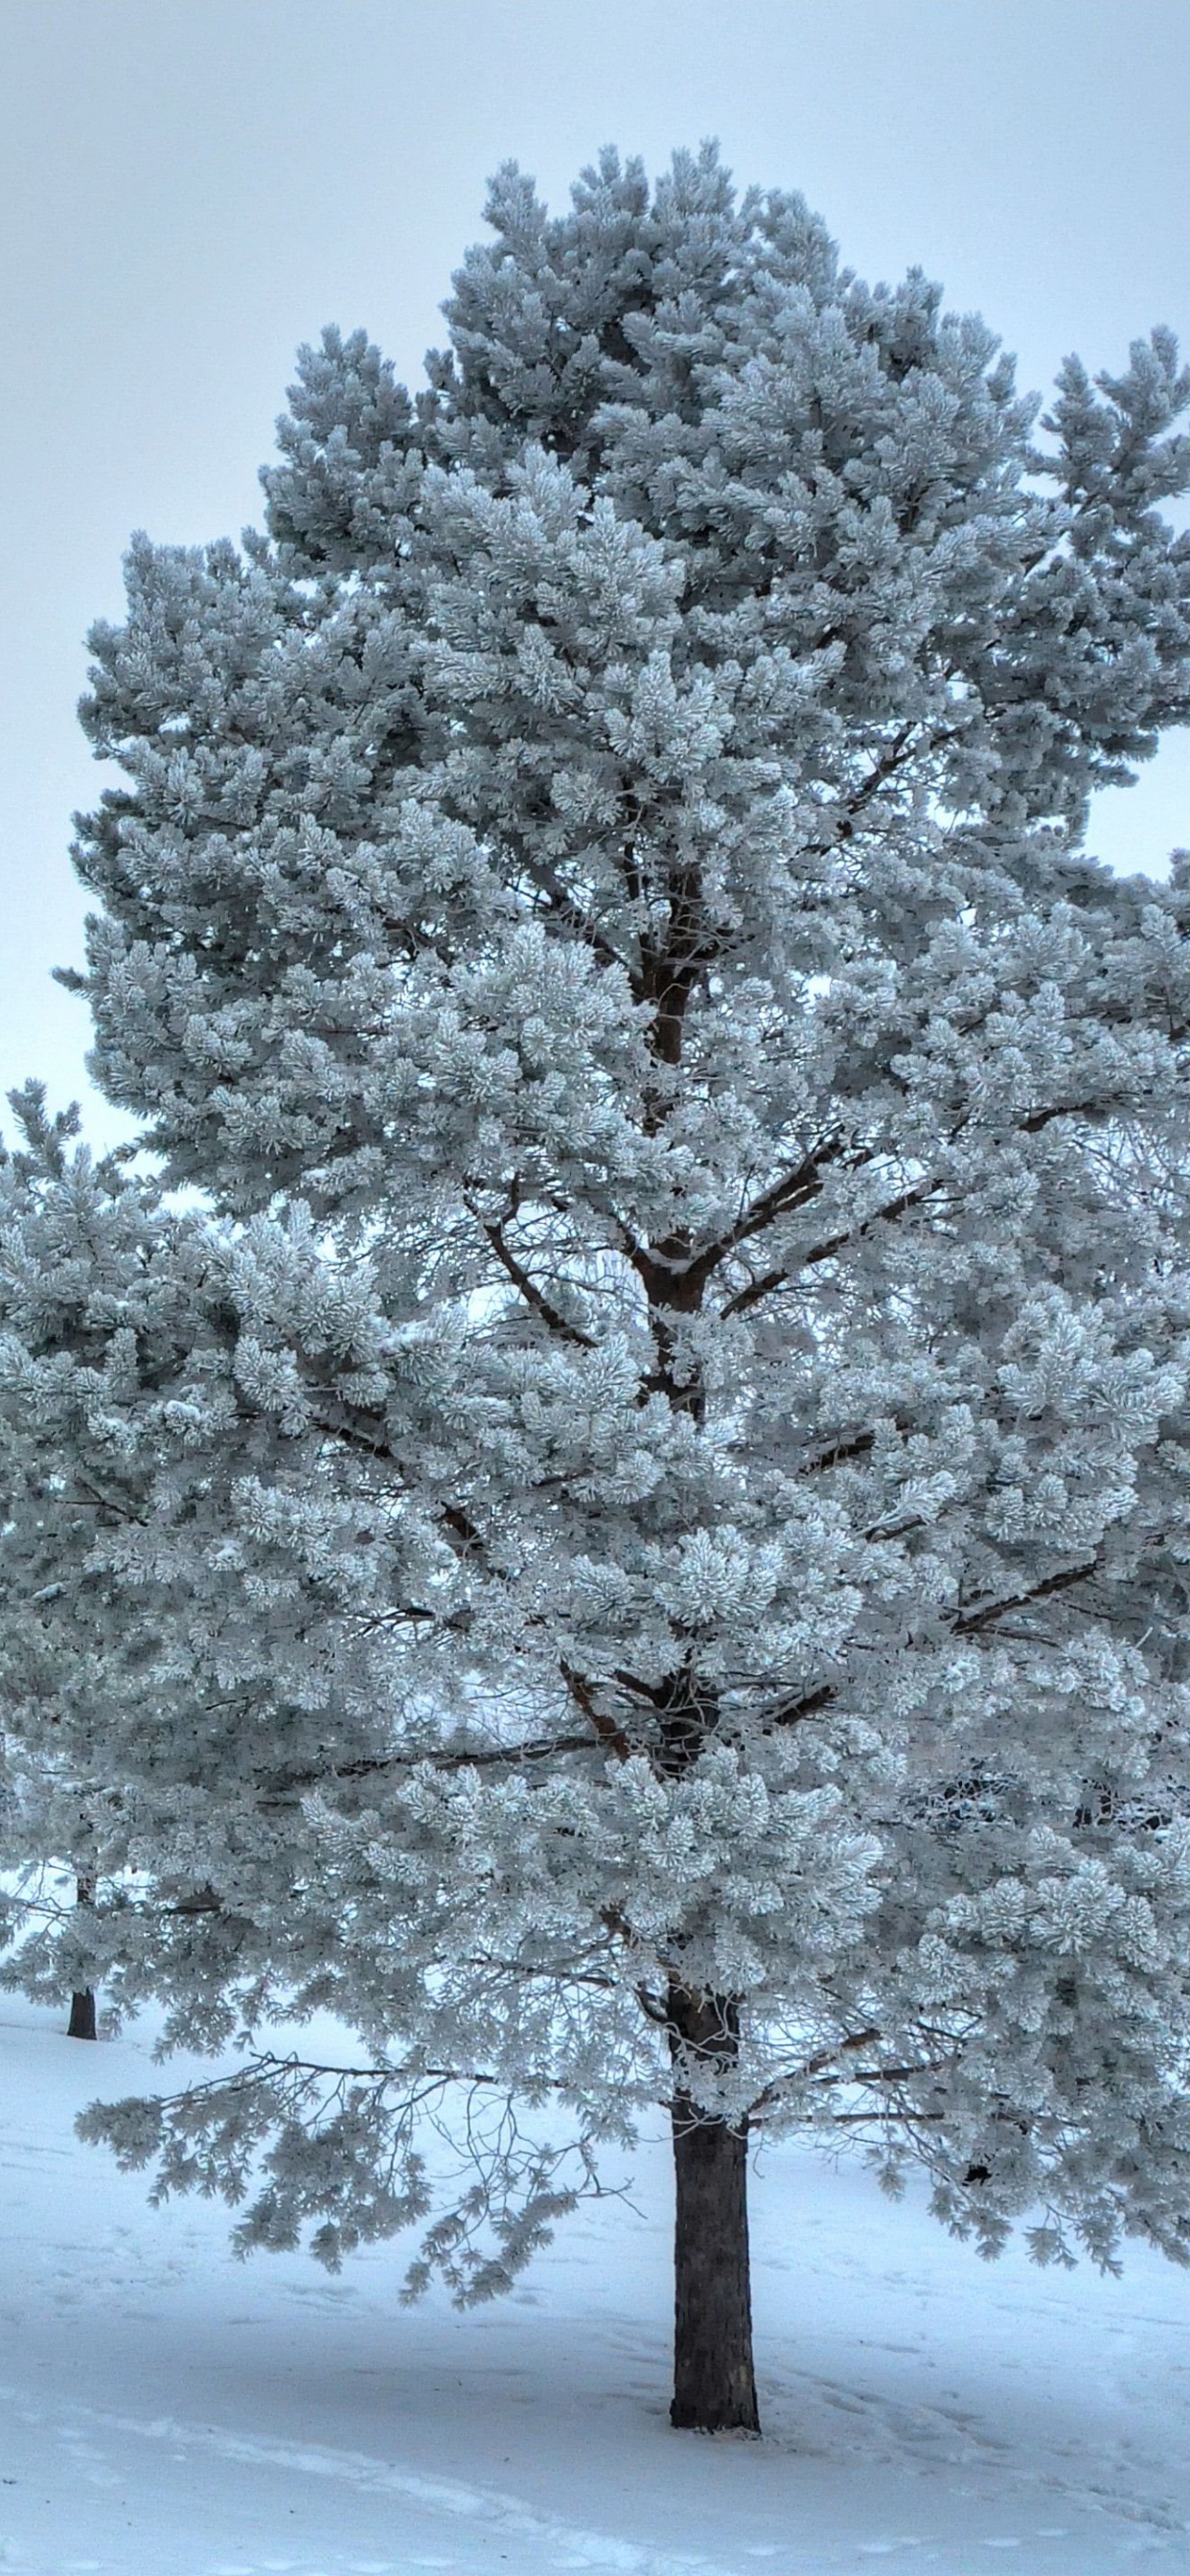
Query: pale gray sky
[191,187]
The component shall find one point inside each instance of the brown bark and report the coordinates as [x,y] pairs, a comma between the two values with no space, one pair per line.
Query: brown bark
[81,2024]
[714,2379]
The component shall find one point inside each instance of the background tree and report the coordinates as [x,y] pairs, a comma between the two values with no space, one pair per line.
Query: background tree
[165,1638]
[696,1157]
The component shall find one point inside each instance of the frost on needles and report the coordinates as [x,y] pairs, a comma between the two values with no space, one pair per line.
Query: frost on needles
[615,1513]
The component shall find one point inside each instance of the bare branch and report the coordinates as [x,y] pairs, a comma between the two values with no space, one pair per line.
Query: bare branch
[842,1452]
[605,1727]
[850,808]
[805,1707]
[539,1748]
[533,1295]
[981,1617]
[787,1272]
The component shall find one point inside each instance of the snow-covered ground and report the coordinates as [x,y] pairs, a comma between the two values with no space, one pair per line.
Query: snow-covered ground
[167,2411]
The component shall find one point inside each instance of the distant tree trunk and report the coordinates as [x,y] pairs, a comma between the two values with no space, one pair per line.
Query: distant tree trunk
[81,2024]
[714,2380]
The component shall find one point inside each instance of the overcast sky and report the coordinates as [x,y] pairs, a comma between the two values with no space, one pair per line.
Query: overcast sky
[192,187]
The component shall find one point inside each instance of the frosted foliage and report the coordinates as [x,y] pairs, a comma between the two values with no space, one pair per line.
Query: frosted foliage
[652,1461]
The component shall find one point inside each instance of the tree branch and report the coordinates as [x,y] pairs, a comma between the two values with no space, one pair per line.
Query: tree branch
[891,759]
[805,1707]
[970,1621]
[605,1727]
[784,1275]
[539,1748]
[673,1261]
[533,1295]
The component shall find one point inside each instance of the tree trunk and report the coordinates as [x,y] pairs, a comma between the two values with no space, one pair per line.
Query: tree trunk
[714,2381]
[81,2024]
[82,2014]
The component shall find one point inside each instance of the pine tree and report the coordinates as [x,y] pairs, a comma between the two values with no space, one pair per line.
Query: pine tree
[639,1501]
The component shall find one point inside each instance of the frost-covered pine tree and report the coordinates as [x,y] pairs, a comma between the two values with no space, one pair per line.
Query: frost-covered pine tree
[632,1538]
[186,1602]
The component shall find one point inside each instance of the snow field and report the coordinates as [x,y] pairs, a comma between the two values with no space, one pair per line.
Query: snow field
[167,2411]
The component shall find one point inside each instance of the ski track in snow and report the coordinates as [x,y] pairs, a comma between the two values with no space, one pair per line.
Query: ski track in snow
[365,2475]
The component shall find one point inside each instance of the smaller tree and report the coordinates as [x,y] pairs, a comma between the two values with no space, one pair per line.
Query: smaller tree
[167,1560]
[196,1658]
